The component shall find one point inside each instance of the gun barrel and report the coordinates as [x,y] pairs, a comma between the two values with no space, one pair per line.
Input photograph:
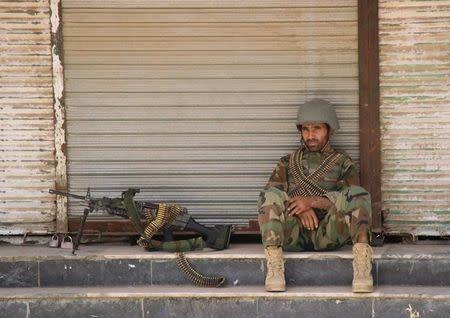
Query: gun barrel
[67,194]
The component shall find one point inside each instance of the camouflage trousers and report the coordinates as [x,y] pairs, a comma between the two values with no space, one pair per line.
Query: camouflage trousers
[340,224]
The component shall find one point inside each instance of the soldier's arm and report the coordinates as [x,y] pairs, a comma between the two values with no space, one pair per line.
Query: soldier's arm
[348,176]
[275,191]
[279,178]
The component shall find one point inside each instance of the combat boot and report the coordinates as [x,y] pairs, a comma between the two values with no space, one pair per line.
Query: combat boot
[362,268]
[275,269]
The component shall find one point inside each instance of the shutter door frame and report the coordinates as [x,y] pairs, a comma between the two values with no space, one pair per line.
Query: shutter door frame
[369,107]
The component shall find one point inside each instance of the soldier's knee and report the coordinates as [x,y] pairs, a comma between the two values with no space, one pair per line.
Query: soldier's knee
[355,197]
[272,197]
[354,192]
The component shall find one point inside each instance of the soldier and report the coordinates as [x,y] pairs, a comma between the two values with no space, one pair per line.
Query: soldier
[312,201]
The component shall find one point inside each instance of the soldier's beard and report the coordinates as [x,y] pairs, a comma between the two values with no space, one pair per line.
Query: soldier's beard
[315,144]
[312,144]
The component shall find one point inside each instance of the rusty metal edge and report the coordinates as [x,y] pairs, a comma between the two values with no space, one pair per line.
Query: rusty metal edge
[369,106]
[117,227]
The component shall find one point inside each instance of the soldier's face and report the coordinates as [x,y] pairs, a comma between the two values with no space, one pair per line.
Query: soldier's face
[315,136]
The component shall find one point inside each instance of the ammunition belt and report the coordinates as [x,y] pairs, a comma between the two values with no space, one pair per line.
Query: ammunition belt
[307,185]
[161,216]
[194,276]
[166,215]
[146,209]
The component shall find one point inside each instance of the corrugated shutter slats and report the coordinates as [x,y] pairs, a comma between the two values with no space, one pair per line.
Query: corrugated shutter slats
[194,101]
[27,134]
[415,115]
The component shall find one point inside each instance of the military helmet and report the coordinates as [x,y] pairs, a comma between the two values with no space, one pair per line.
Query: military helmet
[317,111]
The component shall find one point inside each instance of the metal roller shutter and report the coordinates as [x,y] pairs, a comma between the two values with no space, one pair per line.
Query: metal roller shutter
[415,116]
[27,162]
[195,101]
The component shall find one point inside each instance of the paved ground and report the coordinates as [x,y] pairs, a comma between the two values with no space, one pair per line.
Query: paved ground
[162,291]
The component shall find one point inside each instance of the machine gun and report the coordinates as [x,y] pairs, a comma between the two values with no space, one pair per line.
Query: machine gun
[163,218]
[113,206]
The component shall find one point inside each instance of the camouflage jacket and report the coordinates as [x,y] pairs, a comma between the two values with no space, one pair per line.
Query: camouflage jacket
[342,174]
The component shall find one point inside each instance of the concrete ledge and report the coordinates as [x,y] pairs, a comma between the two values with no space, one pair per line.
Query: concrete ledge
[236,251]
[121,251]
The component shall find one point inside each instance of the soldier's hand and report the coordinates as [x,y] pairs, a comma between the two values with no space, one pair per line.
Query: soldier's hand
[309,219]
[298,205]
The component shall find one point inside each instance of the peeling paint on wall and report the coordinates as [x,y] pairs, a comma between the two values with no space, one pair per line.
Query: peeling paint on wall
[59,113]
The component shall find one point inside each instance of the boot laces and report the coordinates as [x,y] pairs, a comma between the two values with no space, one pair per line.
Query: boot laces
[362,260]
[275,260]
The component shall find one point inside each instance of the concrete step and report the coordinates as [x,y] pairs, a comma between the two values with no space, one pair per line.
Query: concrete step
[241,265]
[233,301]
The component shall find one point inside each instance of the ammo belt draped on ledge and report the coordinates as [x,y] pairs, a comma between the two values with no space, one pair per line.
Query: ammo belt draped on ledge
[165,216]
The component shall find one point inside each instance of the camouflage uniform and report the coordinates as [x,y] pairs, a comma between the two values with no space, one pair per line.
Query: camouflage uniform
[349,215]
